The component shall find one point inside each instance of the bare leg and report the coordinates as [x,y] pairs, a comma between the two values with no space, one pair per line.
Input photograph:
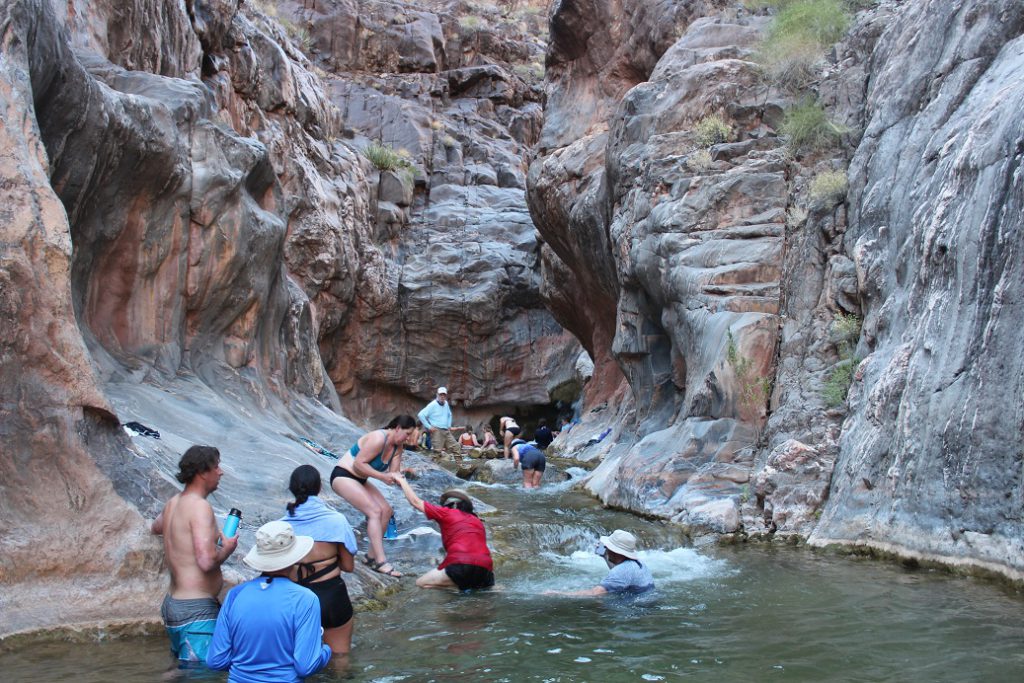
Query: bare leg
[371,503]
[537,474]
[508,442]
[527,479]
[340,638]
[435,578]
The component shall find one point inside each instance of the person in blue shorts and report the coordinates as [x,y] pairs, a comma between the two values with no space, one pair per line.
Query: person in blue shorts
[533,461]
[628,574]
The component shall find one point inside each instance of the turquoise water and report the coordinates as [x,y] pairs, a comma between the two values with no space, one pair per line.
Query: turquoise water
[719,614]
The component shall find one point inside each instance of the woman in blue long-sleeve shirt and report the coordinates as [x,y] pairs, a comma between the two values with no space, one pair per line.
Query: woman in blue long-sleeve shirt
[268,630]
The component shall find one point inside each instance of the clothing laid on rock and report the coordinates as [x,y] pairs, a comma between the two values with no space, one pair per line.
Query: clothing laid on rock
[532,458]
[629,576]
[463,537]
[190,624]
[140,429]
[543,437]
[268,632]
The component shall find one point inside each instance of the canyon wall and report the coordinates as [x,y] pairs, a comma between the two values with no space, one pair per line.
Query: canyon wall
[730,296]
[196,239]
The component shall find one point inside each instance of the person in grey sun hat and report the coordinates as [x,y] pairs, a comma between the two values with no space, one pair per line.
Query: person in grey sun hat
[628,574]
[277,547]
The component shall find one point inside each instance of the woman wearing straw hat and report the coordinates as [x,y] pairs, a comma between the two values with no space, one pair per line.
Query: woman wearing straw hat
[628,574]
[467,563]
[269,628]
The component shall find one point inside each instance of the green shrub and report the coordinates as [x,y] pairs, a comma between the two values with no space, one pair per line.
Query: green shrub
[846,326]
[712,130]
[754,390]
[798,37]
[837,385]
[810,129]
[699,161]
[828,189]
[470,23]
[385,158]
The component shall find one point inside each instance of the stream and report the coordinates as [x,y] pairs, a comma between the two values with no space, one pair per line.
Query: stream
[719,613]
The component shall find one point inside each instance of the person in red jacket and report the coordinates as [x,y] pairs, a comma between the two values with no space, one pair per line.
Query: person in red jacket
[467,563]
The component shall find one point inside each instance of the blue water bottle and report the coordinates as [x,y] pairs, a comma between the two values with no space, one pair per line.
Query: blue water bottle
[232,522]
[392,531]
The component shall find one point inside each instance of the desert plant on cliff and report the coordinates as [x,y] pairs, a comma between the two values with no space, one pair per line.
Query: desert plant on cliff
[385,158]
[798,37]
[846,326]
[845,329]
[712,130]
[699,161]
[828,189]
[754,390]
[809,128]
[837,384]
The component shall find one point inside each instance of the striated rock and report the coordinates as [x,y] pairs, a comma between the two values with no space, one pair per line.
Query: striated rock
[936,248]
[231,257]
[718,275]
[791,488]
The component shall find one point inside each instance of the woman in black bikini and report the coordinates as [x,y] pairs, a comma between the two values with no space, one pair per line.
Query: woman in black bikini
[332,553]
[377,455]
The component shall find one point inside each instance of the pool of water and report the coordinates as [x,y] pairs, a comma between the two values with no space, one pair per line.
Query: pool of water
[722,613]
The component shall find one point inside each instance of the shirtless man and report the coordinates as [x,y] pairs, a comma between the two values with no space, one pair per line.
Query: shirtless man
[191,547]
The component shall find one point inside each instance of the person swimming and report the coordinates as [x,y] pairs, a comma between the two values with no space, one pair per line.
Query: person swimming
[627,573]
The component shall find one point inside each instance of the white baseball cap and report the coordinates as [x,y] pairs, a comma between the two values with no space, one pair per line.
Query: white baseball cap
[442,390]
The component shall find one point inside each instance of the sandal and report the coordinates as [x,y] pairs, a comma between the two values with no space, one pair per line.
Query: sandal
[391,571]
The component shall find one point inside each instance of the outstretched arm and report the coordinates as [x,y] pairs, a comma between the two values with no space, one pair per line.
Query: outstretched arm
[410,495]
[590,592]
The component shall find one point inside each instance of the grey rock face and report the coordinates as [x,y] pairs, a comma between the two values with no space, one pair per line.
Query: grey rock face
[234,264]
[929,463]
[678,254]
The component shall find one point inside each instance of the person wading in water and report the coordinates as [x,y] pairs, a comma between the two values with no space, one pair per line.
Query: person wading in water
[192,552]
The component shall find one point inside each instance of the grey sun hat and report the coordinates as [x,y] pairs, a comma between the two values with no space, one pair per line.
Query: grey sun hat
[277,547]
[456,493]
[621,542]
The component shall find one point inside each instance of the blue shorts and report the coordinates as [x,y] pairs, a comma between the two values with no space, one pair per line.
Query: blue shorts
[189,625]
[532,458]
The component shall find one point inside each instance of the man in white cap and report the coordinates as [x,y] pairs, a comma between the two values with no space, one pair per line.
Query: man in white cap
[437,417]
[269,628]
[628,574]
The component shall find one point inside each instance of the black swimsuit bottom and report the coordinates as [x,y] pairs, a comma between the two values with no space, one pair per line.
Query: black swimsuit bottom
[335,606]
[340,471]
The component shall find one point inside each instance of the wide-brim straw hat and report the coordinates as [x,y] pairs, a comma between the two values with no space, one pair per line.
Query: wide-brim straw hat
[456,493]
[277,547]
[621,542]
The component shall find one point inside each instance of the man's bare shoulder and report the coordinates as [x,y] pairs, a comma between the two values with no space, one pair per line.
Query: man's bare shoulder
[193,504]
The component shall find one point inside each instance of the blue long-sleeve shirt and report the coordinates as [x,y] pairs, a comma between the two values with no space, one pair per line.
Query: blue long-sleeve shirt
[268,632]
[436,416]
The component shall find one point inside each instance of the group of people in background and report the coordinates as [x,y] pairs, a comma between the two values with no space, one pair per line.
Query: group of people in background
[287,622]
